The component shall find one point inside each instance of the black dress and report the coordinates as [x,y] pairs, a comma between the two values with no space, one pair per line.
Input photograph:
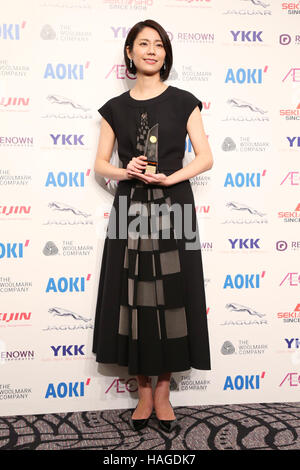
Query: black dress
[151,307]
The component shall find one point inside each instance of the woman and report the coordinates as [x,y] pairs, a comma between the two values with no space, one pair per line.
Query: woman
[151,310]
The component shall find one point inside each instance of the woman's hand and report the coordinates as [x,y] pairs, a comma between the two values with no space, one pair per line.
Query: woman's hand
[135,167]
[158,178]
[134,170]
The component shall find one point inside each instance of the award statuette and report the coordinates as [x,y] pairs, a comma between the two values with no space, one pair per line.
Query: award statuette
[151,150]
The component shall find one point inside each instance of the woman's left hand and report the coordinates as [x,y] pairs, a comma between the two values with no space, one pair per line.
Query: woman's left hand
[157,178]
[150,178]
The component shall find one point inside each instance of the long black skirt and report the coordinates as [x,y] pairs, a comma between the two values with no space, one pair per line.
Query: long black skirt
[151,307]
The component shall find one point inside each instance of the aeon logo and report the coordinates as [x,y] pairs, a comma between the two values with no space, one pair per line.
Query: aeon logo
[71,284]
[245,75]
[292,178]
[292,379]
[63,179]
[247,382]
[122,385]
[241,180]
[247,36]
[12,250]
[67,389]
[120,72]
[66,71]
[243,281]
[11,32]
[292,279]
[293,74]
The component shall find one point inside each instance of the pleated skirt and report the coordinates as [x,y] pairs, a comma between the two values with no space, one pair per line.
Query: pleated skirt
[151,307]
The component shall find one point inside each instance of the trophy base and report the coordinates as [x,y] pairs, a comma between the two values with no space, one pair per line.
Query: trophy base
[151,167]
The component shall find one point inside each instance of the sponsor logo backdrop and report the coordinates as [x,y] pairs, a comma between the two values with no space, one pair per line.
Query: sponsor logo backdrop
[60,60]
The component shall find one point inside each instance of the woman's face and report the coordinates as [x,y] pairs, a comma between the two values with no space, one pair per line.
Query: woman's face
[148,53]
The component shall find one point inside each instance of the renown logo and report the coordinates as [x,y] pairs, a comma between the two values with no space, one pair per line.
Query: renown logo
[247,382]
[70,389]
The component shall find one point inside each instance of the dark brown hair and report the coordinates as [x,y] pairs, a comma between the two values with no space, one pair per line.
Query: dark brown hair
[134,31]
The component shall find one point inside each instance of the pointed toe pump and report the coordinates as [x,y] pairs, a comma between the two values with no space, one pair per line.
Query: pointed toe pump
[167,425]
[138,424]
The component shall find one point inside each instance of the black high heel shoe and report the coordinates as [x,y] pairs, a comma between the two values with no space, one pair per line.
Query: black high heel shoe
[138,424]
[167,425]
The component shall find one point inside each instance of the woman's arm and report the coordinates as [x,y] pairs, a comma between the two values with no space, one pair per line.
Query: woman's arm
[203,160]
[105,147]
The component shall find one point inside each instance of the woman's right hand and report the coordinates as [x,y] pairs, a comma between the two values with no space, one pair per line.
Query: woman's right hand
[135,167]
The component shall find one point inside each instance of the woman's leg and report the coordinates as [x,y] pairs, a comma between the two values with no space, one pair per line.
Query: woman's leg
[145,405]
[163,409]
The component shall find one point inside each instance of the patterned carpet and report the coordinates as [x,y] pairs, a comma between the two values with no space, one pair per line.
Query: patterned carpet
[259,426]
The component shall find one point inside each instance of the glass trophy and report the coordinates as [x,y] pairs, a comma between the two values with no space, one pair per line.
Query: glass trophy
[151,150]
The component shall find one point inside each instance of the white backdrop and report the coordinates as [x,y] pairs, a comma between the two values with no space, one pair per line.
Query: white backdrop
[60,60]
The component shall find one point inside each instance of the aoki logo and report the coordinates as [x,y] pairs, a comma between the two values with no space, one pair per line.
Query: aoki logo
[11,31]
[12,250]
[69,139]
[245,75]
[63,179]
[244,179]
[240,382]
[243,281]
[63,284]
[66,71]
[70,389]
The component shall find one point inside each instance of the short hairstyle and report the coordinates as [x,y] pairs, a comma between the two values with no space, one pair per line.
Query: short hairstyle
[134,31]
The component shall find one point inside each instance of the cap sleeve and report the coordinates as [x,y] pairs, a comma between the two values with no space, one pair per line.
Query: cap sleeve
[106,112]
[190,103]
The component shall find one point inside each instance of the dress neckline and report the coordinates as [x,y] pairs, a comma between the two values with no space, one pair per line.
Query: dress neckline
[159,97]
